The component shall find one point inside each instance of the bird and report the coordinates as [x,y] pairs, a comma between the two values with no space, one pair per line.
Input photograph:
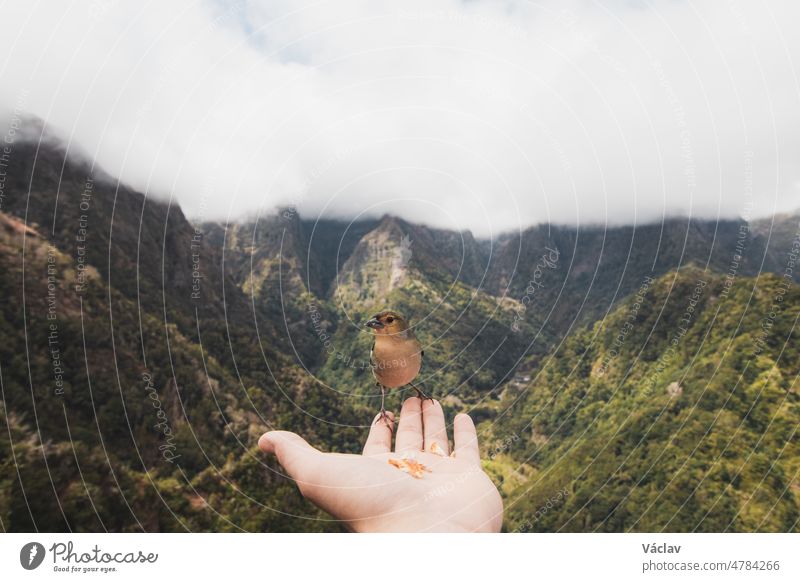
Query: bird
[396,355]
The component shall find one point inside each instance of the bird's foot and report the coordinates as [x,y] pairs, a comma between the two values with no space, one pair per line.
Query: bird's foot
[420,394]
[383,417]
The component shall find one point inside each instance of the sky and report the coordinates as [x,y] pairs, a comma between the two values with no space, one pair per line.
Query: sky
[462,114]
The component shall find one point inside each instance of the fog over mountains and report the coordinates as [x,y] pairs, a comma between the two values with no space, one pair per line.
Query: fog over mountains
[481,115]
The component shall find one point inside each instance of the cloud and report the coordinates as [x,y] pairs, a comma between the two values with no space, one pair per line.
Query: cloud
[487,115]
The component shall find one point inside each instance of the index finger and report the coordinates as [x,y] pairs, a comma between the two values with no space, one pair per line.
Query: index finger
[379,439]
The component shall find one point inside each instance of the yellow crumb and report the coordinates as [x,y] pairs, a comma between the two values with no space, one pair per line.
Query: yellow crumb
[437,450]
[410,466]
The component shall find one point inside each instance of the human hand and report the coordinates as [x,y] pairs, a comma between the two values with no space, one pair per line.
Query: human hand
[371,495]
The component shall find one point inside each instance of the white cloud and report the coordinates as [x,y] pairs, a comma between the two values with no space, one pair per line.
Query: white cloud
[478,114]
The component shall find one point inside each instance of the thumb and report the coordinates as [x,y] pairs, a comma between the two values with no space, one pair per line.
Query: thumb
[295,454]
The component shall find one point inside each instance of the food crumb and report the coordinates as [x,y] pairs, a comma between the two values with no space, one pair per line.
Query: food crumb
[410,466]
[437,450]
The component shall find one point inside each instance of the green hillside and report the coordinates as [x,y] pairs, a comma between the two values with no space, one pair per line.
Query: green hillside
[678,415]
[622,379]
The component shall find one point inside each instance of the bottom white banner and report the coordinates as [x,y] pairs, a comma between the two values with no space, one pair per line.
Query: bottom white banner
[406,557]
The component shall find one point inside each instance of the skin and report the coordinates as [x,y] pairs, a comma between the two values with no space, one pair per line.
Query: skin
[370,495]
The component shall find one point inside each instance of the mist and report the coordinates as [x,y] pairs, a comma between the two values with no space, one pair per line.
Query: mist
[488,116]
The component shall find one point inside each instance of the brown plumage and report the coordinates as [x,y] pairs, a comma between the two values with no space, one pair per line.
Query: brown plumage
[396,355]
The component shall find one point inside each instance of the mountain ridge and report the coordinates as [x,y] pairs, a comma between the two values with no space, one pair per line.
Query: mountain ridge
[529,333]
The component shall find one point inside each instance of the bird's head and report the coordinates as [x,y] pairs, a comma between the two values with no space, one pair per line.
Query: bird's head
[388,323]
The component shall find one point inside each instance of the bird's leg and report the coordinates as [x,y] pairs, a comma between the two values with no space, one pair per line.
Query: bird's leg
[383,417]
[420,394]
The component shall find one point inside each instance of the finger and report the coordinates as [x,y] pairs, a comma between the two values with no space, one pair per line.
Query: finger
[295,455]
[409,430]
[466,439]
[434,428]
[379,439]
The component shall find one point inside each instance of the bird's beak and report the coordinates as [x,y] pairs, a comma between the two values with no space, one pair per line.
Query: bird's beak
[374,324]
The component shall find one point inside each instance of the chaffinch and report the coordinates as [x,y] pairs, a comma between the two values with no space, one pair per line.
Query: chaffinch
[396,355]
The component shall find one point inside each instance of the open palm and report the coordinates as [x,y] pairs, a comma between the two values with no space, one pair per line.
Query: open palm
[370,494]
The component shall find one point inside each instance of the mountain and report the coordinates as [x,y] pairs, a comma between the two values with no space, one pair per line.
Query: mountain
[679,411]
[144,355]
[601,266]
[130,396]
[392,262]
[774,238]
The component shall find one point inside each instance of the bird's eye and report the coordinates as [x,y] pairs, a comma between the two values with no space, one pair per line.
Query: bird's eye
[389,319]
